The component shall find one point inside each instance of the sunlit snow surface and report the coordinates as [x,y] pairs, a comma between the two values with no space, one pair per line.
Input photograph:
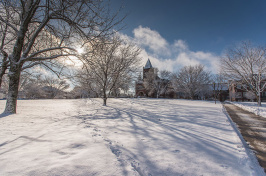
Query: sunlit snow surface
[128,137]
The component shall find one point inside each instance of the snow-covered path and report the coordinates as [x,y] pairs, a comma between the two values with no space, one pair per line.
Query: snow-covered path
[252,128]
[127,137]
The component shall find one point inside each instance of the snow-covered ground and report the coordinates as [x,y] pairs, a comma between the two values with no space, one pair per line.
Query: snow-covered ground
[252,107]
[128,137]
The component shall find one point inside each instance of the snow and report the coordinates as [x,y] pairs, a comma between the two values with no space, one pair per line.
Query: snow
[126,137]
[252,107]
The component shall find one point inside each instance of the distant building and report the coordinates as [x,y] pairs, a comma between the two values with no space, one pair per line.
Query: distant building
[149,70]
[140,90]
[238,92]
[222,90]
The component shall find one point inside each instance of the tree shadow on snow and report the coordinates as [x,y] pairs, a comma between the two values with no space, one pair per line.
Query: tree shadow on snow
[155,127]
[178,130]
[4,115]
[28,140]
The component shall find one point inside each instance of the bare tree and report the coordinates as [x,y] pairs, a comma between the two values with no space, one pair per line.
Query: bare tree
[191,80]
[41,30]
[111,61]
[246,66]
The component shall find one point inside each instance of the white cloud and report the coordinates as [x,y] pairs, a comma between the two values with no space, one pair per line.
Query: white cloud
[185,59]
[180,44]
[167,56]
[146,37]
[166,64]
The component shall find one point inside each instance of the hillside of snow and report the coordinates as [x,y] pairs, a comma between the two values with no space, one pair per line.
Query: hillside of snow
[127,137]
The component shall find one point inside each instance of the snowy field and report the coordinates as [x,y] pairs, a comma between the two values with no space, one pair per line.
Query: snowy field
[152,137]
[252,107]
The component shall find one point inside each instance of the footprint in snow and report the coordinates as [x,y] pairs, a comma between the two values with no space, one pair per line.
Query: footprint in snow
[176,151]
[224,166]
[115,151]
[77,146]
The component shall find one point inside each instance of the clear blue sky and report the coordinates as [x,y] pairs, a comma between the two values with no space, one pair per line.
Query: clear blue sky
[205,25]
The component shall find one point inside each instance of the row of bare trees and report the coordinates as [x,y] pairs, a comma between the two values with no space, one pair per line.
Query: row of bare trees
[191,82]
[38,86]
[242,67]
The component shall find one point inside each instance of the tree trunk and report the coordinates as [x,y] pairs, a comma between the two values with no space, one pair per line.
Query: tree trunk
[11,101]
[104,98]
[259,100]
[104,101]
[1,79]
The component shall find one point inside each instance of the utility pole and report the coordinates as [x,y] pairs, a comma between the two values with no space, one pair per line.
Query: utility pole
[259,103]
[214,92]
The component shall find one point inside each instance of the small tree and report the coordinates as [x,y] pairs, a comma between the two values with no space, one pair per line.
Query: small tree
[191,80]
[246,65]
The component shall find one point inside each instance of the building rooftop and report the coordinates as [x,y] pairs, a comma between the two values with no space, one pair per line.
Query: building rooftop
[148,64]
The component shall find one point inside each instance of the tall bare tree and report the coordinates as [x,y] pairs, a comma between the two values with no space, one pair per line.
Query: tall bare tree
[42,30]
[111,61]
[245,65]
[191,80]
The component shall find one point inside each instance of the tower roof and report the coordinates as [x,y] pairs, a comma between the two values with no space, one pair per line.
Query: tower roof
[148,64]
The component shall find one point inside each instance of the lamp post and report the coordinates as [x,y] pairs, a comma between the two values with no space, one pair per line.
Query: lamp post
[214,92]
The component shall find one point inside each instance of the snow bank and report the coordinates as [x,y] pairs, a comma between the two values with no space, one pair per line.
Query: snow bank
[127,137]
[252,107]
